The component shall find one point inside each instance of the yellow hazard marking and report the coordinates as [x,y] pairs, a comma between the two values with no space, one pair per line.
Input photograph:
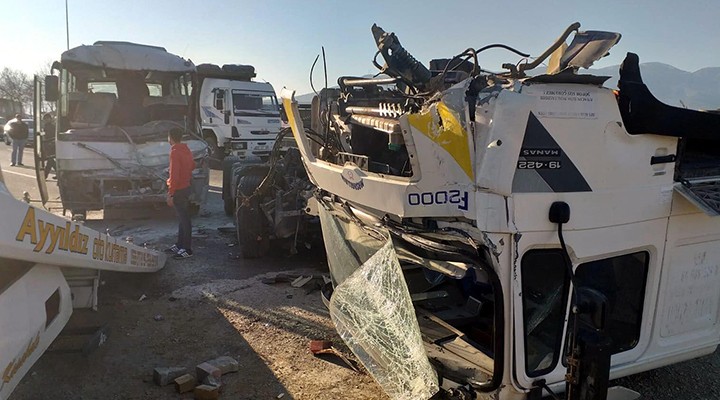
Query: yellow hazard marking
[443,127]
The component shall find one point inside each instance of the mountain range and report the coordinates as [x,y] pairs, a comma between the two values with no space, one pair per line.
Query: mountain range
[698,90]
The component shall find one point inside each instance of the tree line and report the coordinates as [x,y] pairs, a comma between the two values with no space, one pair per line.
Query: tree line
[16,86]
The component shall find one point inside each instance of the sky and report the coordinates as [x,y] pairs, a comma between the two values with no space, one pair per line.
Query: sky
[281,38]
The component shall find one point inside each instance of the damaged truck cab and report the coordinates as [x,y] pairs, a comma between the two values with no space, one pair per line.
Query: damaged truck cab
[507,236]
[116,103]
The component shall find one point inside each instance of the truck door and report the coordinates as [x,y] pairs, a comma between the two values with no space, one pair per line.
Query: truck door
[44,141]
[622,262]
[224,124]
[222,102]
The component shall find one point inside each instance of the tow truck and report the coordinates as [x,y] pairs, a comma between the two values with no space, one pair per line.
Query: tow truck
[50,265]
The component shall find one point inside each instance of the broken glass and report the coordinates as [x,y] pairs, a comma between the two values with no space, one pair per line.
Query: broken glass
[373,313]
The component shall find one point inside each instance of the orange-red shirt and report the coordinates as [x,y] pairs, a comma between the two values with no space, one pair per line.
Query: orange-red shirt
[181,168]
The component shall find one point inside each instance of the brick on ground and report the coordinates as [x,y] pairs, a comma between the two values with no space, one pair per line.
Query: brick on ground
[165,375]
[206,392]
[205,369]
[184,383]
[319,345]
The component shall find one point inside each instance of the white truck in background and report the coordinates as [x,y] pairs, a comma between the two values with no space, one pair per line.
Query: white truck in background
[240,117]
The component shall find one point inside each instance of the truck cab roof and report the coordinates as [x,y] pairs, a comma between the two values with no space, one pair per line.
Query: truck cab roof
[125,56]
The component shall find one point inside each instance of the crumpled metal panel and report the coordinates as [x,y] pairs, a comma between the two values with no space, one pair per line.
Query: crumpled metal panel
[127,56]
[373,313]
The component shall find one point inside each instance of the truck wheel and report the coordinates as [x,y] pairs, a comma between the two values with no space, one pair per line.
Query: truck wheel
[216,153]
[250,221]
[227,195]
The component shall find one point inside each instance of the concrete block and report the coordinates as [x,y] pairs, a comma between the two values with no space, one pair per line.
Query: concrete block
[212,381]
[184,383]
[205,369]
[225,364]
[165,375]
[207,392]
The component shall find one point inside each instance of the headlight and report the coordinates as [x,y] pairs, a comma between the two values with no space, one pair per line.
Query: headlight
[238,145]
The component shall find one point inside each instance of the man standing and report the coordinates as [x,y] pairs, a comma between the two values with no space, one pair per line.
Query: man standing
[181,167]
[48,143]
[18,132]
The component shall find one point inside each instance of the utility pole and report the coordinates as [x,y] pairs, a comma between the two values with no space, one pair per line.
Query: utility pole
[67,26]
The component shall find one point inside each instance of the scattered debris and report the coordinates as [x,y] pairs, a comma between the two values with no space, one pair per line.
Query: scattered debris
[207,392]
[319,345]
[334,352]
[184,383]
[298,281]
[225,364]
[229,229]
[301,281]
[279,278]
[205,369]
[199,233]
[281,395]
[172,298]
[164,375]
[231,244]
[158,317]
[212,381]
[143,297]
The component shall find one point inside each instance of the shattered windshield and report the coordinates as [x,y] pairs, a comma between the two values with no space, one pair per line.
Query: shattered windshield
[255,104]
[154,89]
[97,102]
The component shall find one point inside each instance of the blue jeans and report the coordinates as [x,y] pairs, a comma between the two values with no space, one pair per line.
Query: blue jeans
[17,151]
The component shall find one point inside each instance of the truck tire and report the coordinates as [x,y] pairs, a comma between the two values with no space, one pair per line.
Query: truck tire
[249,220]
[227,194]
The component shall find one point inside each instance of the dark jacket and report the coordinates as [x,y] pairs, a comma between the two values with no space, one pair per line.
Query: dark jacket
[18,129]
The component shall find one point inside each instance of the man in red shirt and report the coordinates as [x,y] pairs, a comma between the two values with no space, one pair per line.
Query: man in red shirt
[181,168]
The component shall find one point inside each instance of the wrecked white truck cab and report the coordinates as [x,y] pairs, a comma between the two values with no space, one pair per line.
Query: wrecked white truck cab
[504,236]
[116,103]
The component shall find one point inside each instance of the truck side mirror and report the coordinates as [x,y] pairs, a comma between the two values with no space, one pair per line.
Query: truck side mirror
[51,88]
